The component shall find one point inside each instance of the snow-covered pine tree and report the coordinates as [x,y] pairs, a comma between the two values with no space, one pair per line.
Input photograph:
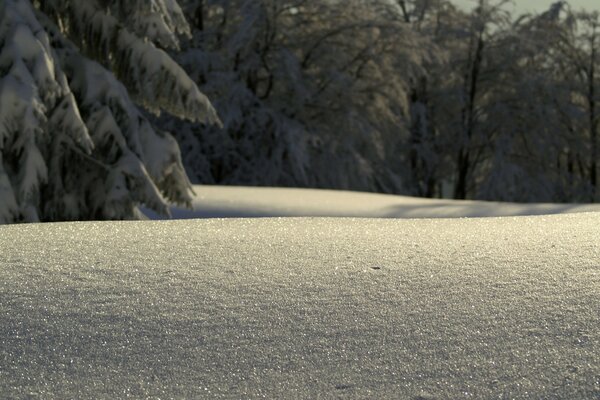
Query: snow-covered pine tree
[73,143]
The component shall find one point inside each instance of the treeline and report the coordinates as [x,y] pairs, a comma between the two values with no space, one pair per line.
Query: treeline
[401,96]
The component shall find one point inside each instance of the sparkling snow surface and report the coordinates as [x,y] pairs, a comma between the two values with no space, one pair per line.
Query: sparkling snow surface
[236,201]
[302,308]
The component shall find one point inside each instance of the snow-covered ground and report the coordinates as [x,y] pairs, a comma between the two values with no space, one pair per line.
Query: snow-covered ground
[236,201]
[303,307]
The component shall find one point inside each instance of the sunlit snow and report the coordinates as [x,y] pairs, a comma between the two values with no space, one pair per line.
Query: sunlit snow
[435,308]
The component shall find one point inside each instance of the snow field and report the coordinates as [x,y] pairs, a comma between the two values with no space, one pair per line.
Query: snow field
[240,201]
[302,308]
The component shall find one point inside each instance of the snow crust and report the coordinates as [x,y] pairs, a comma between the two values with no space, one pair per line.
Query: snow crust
[239,201]
[302,308]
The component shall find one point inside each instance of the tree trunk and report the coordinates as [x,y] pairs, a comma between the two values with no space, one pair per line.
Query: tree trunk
[199,16]
[593,123]
[460,189]
[422,170]
[468,121]
[405,13]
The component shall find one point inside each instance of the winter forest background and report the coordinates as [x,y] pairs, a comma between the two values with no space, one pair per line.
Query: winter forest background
[416,97]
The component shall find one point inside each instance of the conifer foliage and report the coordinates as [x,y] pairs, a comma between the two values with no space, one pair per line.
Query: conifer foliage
[73,142]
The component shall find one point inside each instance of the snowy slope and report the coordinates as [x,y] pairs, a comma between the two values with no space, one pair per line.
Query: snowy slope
[302,308]
[236,201]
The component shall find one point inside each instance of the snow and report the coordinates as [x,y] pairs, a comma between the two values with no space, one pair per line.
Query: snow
[162,83]
[308,307]
[239,201]
[302,308]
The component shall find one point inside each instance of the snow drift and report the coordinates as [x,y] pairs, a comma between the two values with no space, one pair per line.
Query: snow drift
[239,201]
[302,308]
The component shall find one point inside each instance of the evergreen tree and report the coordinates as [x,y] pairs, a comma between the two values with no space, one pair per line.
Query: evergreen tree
[73,142]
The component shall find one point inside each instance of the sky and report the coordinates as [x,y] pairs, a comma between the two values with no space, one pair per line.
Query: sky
[541,5]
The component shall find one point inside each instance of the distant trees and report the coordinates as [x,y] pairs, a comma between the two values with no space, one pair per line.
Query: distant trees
[310,93]
[511,109]
[405,96]
[546,100]
[479,61]
[73,143]
[578,58]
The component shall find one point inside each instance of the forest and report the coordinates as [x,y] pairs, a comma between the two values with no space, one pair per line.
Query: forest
[109,105]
